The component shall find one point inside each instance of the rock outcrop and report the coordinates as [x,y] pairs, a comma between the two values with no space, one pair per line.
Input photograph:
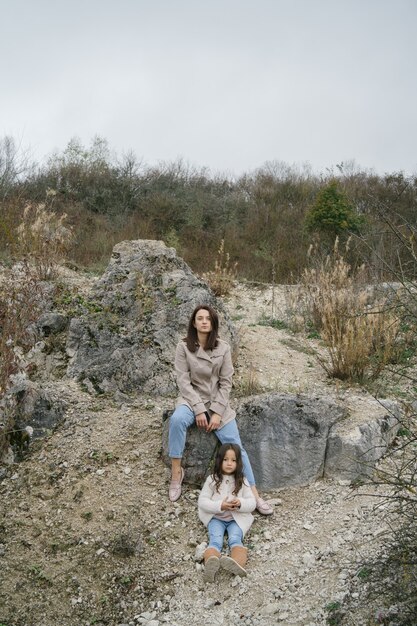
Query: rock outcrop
[139,310]
[293,440]
[352,452]
[121,340]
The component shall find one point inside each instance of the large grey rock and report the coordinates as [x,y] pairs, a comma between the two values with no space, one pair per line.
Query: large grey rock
[138,311]
[35,407]
[293,440]
[198,456]
[286,437]
[51,323]
[28,408]
[353,452]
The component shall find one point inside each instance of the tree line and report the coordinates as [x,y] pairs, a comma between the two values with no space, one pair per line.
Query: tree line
[267,218]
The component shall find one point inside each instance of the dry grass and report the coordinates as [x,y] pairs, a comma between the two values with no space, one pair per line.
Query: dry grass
[44,238]
[221,278]
[334,300]
[249,384]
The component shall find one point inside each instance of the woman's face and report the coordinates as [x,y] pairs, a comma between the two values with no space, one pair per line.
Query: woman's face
[202,321]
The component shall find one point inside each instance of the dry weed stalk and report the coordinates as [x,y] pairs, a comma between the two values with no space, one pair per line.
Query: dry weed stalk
[360,335]
[44,238]
[220,279]
[249,384]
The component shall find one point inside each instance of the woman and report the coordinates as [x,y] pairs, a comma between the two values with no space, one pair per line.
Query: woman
[203,364]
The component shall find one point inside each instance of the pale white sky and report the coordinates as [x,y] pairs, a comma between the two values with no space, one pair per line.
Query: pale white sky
[227,84]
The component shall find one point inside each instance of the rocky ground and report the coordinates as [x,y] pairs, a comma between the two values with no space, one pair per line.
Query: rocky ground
[88,536]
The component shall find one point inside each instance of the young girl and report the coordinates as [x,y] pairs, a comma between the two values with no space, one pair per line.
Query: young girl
[225,504]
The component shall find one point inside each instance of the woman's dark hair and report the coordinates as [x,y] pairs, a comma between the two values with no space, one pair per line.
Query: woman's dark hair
[192,338]
[217,472]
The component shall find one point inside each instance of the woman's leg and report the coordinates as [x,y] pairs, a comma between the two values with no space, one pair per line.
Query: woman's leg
[216,529]
[179,422]
[230,434]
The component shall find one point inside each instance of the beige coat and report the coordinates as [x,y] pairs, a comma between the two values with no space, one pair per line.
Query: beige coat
[205,379]
[209,502]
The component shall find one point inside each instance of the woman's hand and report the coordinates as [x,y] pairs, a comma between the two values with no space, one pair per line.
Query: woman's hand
[214,422]
[201,421]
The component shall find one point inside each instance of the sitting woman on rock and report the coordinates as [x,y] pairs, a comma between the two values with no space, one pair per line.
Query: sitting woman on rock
[225,505]
[203,364]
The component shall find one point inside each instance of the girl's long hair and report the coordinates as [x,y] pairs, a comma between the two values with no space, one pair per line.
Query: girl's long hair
[192,338]
[238,475]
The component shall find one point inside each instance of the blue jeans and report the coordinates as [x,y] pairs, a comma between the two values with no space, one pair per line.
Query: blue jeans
[217,528]
[183,417]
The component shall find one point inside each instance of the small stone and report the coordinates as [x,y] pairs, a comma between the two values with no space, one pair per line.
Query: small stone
[283,616]
[275,502]
[147,615]
[199,551]
[270,609]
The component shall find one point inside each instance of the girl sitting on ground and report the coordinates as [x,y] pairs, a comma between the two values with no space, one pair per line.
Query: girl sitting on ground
[225,505]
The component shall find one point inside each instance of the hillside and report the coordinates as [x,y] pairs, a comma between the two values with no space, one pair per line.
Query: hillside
[88,536]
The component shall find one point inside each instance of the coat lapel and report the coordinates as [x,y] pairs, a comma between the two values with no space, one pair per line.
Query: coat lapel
[202,354]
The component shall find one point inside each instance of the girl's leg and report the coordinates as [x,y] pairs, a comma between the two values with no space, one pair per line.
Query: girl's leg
[235,563]
[230,434]
[234,534]
[216,529]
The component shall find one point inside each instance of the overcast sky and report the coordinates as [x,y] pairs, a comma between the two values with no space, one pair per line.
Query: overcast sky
[227,84]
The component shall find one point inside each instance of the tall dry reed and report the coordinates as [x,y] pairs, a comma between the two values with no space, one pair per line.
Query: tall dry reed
[360,332]
[221,278]
[44,238]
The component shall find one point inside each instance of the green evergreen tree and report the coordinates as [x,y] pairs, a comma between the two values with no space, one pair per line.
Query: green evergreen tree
[332,212]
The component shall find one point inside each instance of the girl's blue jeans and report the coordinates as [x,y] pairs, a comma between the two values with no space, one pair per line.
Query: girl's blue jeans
[183,417]
[217,528]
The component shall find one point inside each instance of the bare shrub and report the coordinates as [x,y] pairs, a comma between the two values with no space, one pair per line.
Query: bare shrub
[221,278]
[360,332]
[44,238]
[20,302]
[386,581]
[394,557]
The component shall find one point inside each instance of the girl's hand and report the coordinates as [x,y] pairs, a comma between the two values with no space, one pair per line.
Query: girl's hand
[230,505]
[214,422]
[201,421]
